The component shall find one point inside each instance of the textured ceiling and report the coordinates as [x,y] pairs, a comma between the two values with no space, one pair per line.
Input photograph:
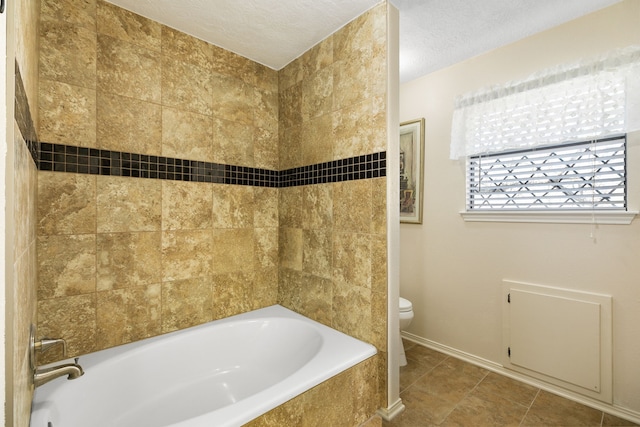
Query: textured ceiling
[437,33]
[433,33]
[271,32]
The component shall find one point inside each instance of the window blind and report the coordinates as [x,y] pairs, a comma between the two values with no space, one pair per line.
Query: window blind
[588,175]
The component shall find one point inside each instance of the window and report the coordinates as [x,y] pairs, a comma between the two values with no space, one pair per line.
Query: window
[588,175]
[551,144]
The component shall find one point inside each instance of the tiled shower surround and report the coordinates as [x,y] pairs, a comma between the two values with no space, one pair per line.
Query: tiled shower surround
[280,196]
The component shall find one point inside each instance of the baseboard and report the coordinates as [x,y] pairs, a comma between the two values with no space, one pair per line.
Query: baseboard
[392,411]
[617,411]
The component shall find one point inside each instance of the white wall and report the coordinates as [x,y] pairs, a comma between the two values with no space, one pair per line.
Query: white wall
[452,270]
[393,216]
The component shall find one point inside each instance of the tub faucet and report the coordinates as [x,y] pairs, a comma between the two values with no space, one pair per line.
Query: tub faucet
[44,375]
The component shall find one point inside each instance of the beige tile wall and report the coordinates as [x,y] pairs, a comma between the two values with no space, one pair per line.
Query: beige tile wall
[135,258]
[23,296]
[333,236]
[344,400]
[121,259]
[27,16]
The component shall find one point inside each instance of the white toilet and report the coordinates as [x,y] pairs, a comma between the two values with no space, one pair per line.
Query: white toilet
[406,316]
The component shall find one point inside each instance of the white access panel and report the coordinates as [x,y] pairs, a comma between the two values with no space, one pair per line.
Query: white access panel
[560,336]
[557,337]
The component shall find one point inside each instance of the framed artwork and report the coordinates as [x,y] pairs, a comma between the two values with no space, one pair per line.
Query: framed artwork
[411,170]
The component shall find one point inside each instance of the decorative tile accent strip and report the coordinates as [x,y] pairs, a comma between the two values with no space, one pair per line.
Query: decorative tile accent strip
[68,158]
[358,167]
[23,116]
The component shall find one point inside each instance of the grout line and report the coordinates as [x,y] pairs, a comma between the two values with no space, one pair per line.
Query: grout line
[477,384]
[440,363]
[529,408]
[426,373]
[465,396]
[421,376]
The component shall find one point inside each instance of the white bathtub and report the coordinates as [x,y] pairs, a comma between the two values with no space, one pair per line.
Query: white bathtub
[223,373]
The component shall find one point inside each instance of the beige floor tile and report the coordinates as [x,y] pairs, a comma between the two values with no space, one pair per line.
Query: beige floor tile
[480,408]
[405,420]
[438,390]
[421,410]
[408,345]
[374,421]
[420,360]
[551,410]
[611,421]
[459,371]
[434,395]
[508,388]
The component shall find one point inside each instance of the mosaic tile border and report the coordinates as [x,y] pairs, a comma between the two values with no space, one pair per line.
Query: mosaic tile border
[359,167]
[68,158]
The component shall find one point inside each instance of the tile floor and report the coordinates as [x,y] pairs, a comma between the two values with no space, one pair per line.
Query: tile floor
[439,390]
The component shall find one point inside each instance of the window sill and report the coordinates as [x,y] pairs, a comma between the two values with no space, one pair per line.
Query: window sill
[553,217]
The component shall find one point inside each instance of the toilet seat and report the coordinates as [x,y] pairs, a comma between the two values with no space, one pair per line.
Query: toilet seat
[405,305]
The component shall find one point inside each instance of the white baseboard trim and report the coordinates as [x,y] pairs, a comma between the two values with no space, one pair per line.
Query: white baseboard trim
[617,411]
[392,411]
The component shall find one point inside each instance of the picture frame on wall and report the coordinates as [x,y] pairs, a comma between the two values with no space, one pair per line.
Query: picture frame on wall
[411,171]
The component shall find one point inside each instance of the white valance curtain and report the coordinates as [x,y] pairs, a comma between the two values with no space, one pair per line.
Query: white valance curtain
[569,103]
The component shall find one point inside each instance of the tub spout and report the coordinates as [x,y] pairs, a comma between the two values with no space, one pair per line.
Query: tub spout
[43,376]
